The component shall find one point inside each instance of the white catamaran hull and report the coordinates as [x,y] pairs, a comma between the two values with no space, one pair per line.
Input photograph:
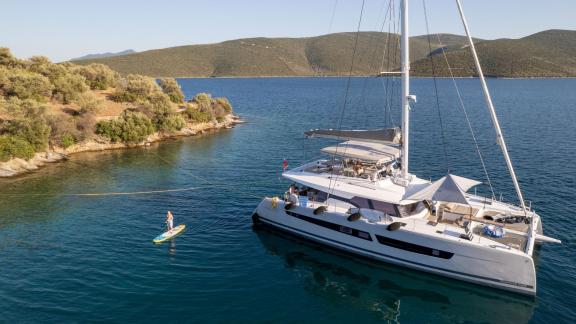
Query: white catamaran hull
[490,266]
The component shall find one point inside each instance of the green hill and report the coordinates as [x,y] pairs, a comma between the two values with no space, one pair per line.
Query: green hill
[549,53]
[323,55]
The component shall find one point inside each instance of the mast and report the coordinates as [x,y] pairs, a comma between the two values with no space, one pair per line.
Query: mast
[499,136]
[405,49]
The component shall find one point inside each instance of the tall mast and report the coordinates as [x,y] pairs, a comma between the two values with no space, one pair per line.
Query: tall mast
[499,136]
[405,88]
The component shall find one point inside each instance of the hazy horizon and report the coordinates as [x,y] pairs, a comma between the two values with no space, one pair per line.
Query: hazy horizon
[109,26]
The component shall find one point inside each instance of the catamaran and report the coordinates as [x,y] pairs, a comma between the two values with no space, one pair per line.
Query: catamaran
[363,199]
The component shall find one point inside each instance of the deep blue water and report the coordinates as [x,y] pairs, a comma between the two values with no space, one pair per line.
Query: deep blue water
[69,258]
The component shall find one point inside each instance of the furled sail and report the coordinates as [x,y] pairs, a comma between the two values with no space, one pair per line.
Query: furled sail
[384,136]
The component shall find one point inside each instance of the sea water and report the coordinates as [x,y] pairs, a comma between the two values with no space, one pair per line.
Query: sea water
[78,258]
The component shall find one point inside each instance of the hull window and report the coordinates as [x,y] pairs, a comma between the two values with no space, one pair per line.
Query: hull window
[335,227]
[414,247]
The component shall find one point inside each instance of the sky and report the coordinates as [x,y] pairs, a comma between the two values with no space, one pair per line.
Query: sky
[64,29]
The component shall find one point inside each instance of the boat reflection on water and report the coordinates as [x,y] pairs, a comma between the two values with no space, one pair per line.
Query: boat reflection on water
[392,292]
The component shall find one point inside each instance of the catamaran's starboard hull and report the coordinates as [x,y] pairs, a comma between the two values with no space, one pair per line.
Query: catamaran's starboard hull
[513,272]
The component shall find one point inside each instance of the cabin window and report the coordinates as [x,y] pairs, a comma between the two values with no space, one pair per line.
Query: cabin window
[410,209]
[361,202]
[384,207]
[346,230]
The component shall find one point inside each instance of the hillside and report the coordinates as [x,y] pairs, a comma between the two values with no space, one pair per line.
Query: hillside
[550,53]
[103,55]
[323,55]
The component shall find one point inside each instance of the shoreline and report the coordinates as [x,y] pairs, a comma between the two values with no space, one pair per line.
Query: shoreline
[16,166]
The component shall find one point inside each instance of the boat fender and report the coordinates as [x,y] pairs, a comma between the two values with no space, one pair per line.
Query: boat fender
[395,226]
[354,217]
[319,210]
[289,206]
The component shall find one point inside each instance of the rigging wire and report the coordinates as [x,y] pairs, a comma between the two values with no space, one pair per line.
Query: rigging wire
[343,110]
[446,161]
[463,107]
[373,63]
[332,17]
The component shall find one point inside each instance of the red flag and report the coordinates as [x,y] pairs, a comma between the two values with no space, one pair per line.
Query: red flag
[284,165]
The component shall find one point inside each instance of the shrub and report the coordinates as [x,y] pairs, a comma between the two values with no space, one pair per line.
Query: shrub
[16,108]
[131,127]
[67,140]
[68,87]
[171,123]
[135,88]
[204,101]
[7,59]
[171,87]
[25,85]
[15,147]
[196,116]
[89,103]
[34,130]
[225,104]
[98,76]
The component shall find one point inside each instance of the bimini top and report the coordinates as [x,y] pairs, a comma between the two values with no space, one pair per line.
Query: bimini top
[383,136]
[450,188]
[369,152]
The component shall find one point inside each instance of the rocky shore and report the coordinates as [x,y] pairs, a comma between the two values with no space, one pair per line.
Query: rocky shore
[19,166]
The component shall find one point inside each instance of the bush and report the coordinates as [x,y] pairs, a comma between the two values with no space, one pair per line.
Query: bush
[159,109]
[34,130]
[204,101]
[89,103]
[7,59]
[67,140]
[25,85]
[69,87]
[131,127]
[15,147]
[196,116]
[171,87]
[98,76]
[171,123]
[225,104]
[135,88]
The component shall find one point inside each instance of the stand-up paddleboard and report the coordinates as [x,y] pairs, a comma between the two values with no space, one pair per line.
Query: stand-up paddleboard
[169,234]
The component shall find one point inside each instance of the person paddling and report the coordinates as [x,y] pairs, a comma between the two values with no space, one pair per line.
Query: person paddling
[170,220]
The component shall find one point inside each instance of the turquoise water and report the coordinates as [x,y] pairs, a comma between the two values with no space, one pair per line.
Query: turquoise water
[70,258]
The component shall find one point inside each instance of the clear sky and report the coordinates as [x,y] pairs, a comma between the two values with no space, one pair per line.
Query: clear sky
[63,29]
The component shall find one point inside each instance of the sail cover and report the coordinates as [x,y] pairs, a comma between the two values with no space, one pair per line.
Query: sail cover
[366,151]
[450,188]
[384,136]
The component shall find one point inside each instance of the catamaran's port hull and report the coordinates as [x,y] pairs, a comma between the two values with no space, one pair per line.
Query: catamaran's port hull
[489,267]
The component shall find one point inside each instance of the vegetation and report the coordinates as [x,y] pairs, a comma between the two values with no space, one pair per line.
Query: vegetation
[99,76]
[322,55]
[548,53]
[43,104]
[131,127]
[14,147]
[172,89]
